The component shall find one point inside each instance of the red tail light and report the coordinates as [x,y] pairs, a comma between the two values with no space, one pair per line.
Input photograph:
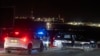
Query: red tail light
[5,38]
[16,33]
[24,39]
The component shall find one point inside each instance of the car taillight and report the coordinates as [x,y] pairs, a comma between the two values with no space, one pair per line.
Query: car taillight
[16,33]
[5,38]
[24,39]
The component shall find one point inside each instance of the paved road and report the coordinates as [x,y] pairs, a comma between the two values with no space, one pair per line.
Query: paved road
[95,52]
[55,52]
[49,52]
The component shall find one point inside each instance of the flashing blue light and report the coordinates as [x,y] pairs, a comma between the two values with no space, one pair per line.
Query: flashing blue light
[41,33]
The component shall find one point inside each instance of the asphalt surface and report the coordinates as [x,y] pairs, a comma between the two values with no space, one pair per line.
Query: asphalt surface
[95,52]
[54,52]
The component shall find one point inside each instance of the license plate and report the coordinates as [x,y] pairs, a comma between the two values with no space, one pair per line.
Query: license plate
[14,41]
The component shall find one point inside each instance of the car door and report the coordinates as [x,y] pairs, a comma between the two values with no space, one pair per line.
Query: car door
[36,43]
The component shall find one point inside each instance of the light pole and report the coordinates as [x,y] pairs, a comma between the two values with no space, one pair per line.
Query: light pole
[48,25]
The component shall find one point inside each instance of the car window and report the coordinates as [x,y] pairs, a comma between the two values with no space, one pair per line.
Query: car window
[63,37]
[13,34]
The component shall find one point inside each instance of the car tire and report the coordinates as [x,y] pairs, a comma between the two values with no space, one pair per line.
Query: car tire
[29,48]
[41,48]
[8,51]
[29,51]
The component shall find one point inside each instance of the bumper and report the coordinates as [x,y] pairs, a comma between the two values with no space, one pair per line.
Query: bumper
[15,46]
[62,44]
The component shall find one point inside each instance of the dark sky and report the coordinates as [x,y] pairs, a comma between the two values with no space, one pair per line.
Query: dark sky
[79,10]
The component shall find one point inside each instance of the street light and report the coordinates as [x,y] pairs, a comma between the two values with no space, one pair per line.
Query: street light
[48,25]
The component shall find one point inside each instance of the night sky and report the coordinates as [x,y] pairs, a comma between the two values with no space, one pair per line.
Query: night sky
[77,10]
[71,10]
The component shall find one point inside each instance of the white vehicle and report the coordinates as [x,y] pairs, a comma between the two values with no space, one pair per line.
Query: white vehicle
[63,41]
[82,41]
[19,41]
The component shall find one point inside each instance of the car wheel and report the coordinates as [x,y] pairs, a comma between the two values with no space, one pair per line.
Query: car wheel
[8,51]
[41,48]
[29,51]
[29,48]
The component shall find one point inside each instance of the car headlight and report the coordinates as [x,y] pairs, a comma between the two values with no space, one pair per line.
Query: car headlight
[92,41]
